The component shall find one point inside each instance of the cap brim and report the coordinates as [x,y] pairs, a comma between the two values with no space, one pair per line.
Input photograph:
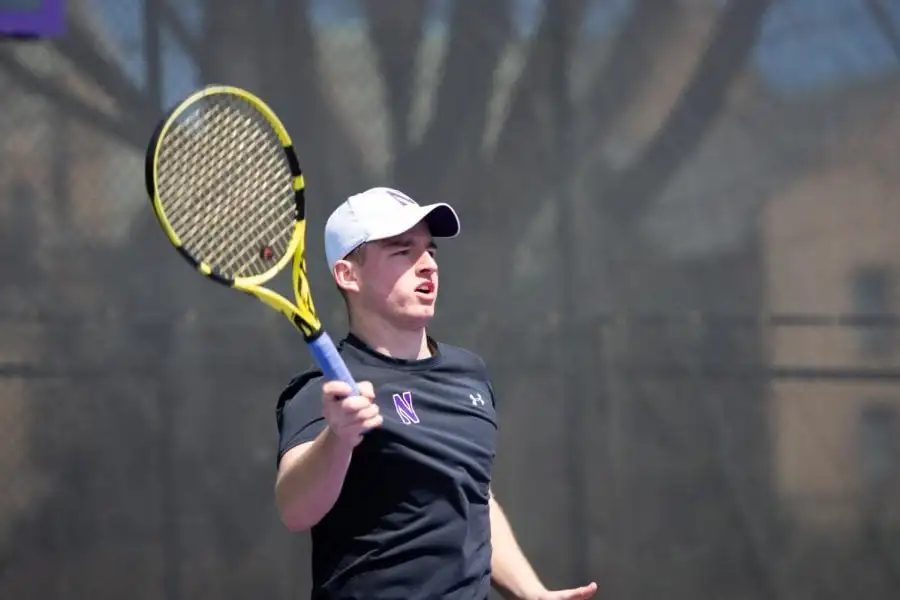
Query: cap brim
[442,221]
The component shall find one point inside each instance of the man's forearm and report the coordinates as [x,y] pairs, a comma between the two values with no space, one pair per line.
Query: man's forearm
[310,480]
[512,574]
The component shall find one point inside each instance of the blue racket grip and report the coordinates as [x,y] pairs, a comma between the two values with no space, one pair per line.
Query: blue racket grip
[329,360]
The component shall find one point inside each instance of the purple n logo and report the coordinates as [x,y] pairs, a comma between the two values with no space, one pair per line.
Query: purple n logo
[405,409]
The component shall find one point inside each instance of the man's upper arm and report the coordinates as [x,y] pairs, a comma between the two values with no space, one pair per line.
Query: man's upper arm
[299,414]
[292,456]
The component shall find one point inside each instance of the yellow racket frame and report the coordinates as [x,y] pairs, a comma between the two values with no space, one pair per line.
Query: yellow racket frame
[301,314]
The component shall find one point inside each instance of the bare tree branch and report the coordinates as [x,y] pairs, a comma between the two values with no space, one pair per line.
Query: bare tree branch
[519,169]
[631,192]
[188,42]
[396,33]
[534,81]
[66,101]
[527,140]
[77,46]
[629,61]
[269,59]
[336,160]
[480,30]
[886,25]
[152,51]
[624,71]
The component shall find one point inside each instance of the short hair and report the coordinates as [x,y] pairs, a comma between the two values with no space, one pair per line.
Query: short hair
[358,256]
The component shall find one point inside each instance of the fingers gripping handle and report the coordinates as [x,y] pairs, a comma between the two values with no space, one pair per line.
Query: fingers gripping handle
[326,356]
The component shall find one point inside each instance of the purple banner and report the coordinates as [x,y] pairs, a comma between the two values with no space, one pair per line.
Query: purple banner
[41,18]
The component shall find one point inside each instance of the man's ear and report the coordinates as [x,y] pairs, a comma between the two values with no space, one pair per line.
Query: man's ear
[346,276]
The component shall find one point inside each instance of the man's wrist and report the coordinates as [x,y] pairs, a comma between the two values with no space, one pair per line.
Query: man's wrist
[336,444]
[523,594]
[518,590]
[535,592]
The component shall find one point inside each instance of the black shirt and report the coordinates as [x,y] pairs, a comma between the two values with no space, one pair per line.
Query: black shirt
[412,518]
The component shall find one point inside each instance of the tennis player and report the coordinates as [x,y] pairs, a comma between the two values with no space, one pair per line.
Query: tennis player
[395,484]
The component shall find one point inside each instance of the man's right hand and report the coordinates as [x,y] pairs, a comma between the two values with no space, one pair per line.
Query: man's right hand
[349,417]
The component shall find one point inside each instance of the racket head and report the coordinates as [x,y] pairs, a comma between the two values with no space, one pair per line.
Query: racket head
[226,186]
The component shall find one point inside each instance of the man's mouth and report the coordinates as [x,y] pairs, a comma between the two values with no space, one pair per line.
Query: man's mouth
[425,288]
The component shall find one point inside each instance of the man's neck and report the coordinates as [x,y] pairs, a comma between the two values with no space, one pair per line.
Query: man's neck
[393,342]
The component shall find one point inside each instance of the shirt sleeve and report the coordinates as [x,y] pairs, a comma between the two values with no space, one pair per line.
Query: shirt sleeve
[486,376]
[299,412]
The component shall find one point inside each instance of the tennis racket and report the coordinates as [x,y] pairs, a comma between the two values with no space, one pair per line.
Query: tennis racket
[226,187]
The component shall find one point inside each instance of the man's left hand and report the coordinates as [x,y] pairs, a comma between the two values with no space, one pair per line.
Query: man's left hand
[581,593]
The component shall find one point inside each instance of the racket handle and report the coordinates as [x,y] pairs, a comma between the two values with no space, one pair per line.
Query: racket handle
[329,360]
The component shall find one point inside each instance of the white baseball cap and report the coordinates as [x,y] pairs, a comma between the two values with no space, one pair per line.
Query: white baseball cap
[380,213]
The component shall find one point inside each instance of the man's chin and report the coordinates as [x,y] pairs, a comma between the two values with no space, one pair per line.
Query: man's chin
[417,318]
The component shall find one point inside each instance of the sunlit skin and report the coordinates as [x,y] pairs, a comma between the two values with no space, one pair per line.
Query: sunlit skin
[391,289]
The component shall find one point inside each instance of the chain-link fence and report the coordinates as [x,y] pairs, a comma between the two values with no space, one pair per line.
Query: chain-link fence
[678,257]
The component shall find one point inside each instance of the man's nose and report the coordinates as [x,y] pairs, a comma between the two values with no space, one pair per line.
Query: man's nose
[427,263]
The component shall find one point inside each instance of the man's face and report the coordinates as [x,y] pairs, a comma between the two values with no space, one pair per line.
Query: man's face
[398,278]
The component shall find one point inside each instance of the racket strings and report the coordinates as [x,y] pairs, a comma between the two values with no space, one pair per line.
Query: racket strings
[187,222]
[228,213]
[226,187]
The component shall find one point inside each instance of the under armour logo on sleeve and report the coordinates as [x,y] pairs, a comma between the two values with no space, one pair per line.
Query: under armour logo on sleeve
[476,399]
